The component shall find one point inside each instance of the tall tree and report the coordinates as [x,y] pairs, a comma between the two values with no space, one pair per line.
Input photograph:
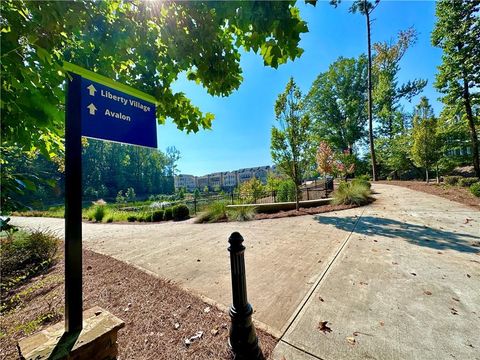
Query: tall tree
[387,92]
[144,44]
[336,103]
[366,7]
[425,148]
[457,33]
[290,142]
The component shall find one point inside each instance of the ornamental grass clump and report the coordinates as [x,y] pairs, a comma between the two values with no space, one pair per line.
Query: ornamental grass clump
[241,213]
[475,189]
[215,212]
[352,193]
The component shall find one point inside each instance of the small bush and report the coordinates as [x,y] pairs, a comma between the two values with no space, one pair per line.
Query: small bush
[362,182]
[109,219]
[467,182]
[215,212]
[157,215]
[168,215]
[286,191]
[475,189]
[180,212]
[452,180]
[98,213]
[350,193]
[23,255]
[242,213]
[131,218]
[147,217]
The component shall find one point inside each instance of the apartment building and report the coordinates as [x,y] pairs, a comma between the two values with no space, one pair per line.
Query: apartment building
[226,180]
[185,181]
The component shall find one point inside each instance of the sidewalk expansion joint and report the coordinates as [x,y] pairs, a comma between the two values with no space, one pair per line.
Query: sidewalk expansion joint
[322,276]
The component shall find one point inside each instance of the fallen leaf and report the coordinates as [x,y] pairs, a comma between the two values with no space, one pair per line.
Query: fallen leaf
[382,323]
[454,311]
[467,220]
[321,299]
[426,292]
[413,274]
[363,283]
[351,340]
[455,299]
[394,263]
[322,326]
[468,275]
[214,331]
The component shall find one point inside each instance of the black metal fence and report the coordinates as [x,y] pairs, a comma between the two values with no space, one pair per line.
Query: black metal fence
[318,189]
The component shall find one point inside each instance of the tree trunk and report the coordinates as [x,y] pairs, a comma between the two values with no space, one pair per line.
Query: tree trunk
[438,177]
[369,85]
[471,125]
[426,175]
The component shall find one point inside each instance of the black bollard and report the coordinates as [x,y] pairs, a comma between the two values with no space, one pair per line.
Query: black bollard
[243,339]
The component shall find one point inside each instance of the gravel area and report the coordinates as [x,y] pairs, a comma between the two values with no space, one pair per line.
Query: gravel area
[159,316]
[454,193]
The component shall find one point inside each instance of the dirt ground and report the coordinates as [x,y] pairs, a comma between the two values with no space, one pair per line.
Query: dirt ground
[159,316]
[454,193]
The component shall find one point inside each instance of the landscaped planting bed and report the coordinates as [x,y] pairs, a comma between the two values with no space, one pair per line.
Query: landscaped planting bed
[159,316]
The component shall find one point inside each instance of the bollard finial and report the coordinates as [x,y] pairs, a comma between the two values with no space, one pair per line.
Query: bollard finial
[235,240]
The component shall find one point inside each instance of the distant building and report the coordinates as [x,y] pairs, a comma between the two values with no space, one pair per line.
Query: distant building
[225,180]
[185,181]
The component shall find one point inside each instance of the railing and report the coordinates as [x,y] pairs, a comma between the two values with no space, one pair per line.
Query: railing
[313,191]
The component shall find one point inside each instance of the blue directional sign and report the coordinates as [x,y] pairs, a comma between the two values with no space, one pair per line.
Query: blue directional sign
[109,114]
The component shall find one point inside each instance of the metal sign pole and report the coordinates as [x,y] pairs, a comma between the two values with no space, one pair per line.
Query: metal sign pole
[73,206]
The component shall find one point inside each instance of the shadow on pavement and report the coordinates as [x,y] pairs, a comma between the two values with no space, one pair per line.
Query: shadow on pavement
[416,234]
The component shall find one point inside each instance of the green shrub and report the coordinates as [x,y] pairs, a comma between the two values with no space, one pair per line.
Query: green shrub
[286,191]
[131,218]
[350,193]
[241,213]
[98,213]
[157,215]
[475,189]
[22,255]
[467,182]
[147,217]
[109,219]
[452,180]
[362,181]
[168,215]
[180,212]
[214,212]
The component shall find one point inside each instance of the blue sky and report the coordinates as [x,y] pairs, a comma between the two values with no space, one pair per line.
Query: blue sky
[240,135]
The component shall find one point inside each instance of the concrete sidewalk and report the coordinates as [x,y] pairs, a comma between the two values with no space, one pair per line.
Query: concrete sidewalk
[405,286]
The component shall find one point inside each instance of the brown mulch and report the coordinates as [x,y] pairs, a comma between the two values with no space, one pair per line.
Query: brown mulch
[454,193]
[152,309]
[304,211]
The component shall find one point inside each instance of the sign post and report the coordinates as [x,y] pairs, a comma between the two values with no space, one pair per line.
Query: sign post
[99,108]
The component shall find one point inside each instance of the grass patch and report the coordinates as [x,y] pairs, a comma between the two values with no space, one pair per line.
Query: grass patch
[24,255]
[214,212]
[352,193]
[241,213]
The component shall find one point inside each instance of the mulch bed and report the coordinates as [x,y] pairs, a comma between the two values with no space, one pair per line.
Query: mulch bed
[159,316]
[454,193]
[304,211]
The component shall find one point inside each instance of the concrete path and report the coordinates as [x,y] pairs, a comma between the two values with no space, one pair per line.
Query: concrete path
[405,286]
[284,257]
[399,279]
